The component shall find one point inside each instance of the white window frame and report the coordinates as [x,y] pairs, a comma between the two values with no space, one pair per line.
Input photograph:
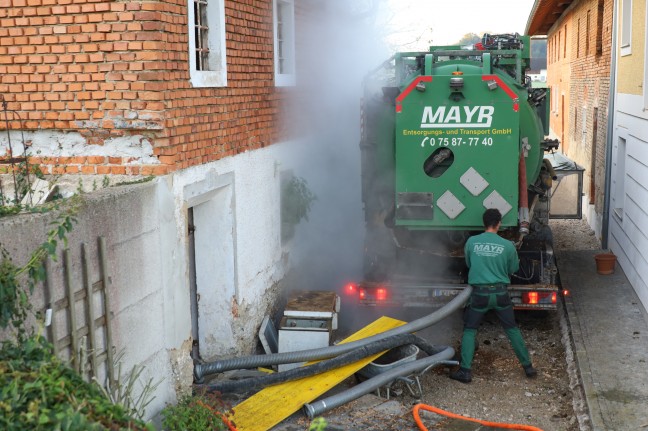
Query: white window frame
[216,76]
[284,79]
[626,27]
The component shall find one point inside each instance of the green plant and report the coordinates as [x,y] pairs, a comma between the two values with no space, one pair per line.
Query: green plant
[195,413]
[140,181]
[123,390]
[22,174]
[296,202]
[318,424]
[39,392]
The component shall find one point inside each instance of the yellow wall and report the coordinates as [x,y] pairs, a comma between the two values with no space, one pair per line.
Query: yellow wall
[631,67]
[558,78]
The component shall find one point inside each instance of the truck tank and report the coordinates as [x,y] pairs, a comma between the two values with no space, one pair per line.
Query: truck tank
[446,134]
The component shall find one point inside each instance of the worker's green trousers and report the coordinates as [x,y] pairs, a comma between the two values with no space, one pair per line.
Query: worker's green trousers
[481,301]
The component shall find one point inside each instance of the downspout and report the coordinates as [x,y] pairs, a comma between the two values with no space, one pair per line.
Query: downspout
[523,214]
[610,130]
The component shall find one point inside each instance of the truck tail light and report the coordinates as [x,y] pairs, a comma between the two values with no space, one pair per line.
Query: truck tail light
[350,289]
[534,297]
[362,293]
[381,294]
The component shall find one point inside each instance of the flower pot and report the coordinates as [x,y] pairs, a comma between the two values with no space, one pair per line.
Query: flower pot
[605,263]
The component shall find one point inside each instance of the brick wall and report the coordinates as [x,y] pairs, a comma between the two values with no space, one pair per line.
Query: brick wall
[559,54]
[110,71]
[589,91]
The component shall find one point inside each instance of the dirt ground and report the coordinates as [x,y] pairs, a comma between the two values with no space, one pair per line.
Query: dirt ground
[499,392]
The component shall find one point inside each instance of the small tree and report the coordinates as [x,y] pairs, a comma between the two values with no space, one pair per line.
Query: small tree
[469,39]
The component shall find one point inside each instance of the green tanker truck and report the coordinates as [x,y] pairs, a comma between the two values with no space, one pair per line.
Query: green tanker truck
[446,134]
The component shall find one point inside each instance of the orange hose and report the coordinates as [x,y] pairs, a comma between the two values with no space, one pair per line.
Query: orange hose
[436,410]
[226,421]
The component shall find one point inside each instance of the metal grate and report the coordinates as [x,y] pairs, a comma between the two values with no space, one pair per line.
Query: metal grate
[201,32]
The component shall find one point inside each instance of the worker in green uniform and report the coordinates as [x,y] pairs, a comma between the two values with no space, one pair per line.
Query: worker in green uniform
[490,259]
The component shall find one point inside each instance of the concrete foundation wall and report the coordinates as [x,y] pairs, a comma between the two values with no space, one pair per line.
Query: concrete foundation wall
[238,259]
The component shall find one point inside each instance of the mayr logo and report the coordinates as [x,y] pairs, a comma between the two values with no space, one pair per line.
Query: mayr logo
[476,116]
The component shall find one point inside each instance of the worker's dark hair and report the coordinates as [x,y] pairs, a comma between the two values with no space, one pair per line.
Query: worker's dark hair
[491,217]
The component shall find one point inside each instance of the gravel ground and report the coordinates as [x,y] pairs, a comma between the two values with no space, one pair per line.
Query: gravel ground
[499,392]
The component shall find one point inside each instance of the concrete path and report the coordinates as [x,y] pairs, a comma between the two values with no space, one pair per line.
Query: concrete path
[610,331]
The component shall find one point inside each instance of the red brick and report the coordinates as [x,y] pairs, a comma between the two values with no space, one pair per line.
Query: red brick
[118,170]
[96,160]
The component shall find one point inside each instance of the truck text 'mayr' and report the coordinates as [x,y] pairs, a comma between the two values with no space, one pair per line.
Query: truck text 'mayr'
[468,117]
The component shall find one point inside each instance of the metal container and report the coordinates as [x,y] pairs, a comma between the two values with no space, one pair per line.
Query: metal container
[392,359]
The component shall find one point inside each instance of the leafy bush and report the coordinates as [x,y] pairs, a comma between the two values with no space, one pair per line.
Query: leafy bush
[39,392]
[195,413]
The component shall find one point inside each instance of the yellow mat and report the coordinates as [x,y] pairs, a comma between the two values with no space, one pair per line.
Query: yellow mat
[275,403]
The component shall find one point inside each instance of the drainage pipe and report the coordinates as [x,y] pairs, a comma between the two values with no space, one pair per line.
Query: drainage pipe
[523,212]
[253,361]
[609,138]
[253,383]
[318,407]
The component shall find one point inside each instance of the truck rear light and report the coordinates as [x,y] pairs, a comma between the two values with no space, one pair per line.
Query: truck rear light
[534,298]
[381,294]
[350,289]
[362,293]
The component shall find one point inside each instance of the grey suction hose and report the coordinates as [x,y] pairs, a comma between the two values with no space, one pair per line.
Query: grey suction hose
[253,361]
[318,407]
[253,383]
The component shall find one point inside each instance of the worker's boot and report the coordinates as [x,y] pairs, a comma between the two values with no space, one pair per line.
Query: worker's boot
[463,375]
[530,371]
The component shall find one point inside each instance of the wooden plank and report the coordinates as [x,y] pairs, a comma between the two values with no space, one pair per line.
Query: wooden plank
[90,310]
[79,295]
[71,310]
[275,403]
[103,264]
[311,301]
[66,341]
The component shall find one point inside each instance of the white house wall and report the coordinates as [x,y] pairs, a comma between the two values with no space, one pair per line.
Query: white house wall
[239,261]
[628,236]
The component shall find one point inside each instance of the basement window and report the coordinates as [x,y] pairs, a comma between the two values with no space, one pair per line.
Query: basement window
[284,42]
[207,59]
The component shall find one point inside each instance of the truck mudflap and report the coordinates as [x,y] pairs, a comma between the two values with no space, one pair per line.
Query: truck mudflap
[431,295]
